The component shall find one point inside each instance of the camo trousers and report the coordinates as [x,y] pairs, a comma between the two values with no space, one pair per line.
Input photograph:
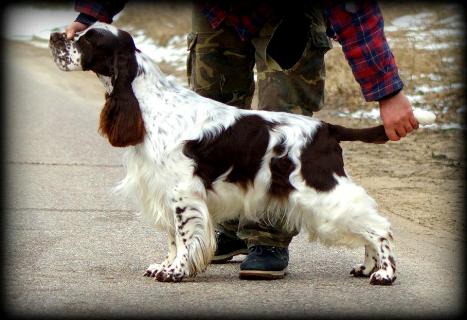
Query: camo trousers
[289,56]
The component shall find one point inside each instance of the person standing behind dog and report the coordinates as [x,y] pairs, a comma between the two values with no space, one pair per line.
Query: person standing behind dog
[287,43]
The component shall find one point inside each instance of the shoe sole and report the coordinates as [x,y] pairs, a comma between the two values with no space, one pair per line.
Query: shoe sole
[228,256]
[262,274]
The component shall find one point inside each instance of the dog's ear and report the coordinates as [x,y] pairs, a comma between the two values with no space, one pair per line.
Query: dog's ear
[121,120]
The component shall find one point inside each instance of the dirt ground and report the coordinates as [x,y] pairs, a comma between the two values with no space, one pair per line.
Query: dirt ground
[420,178]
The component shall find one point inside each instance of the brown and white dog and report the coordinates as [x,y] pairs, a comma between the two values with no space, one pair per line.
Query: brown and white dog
[193,162]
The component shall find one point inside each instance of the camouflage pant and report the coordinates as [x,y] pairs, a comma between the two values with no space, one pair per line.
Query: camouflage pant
[289,58]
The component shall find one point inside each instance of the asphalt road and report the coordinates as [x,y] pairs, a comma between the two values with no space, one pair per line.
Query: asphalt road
[74,249]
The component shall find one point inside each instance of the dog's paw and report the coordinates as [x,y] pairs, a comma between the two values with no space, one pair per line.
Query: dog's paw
[153,269]
[170,274]
[173,273]
[361,271]
[382,278]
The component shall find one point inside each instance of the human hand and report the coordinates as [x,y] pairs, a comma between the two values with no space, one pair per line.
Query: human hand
[73,28]
[397,116]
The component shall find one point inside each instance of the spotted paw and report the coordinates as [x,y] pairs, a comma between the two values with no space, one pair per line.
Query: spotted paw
[361,271]
[170,274]
[382,278]
[152,270]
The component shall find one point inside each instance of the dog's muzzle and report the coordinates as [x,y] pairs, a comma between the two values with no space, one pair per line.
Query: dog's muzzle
[65,53]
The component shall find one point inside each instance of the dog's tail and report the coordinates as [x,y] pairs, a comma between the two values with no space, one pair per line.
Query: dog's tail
[375,134]
[369,135]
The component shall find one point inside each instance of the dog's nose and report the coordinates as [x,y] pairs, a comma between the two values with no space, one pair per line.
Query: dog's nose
[57,36]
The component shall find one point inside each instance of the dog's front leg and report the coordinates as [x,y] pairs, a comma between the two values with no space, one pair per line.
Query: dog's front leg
[194,238]
[154,268]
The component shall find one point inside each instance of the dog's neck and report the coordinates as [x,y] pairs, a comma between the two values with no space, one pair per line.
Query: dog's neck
[148,72]
[107,82]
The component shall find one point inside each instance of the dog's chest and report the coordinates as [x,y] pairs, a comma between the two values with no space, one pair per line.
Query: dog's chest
[152,181]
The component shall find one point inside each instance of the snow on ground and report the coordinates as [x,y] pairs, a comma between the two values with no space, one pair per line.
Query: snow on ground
[373,114]
[34,24]
[419,29]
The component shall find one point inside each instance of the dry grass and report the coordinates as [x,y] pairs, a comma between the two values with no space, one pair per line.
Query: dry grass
[448,63]
[161,20]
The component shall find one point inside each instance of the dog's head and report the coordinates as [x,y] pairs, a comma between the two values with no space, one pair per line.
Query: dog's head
[109,52]
[99,48]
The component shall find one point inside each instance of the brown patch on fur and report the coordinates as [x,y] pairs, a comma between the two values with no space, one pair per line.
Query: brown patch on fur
[321,159]
[240,147]
[279,148]
[114,56]
[121,120]
[393,262]
[281,168]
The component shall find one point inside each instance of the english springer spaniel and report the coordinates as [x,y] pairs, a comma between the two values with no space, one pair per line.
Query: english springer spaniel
[193,162]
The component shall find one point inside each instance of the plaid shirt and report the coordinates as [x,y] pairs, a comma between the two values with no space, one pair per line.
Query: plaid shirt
[358,26]
[92,11]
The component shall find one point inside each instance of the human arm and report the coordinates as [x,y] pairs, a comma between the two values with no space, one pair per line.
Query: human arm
[91,12]
[358,27]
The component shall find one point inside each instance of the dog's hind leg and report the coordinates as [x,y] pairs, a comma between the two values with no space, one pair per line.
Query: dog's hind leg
[375,231]
[194,237]
[368,266]
[366,223]
[347,215]
[379,259]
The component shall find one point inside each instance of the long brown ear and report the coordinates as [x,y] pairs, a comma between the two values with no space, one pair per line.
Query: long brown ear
[121,119]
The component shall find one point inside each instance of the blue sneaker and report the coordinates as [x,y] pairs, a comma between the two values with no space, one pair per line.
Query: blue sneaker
[265,263]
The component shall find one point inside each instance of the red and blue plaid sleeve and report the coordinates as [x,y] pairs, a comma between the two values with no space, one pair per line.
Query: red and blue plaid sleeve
[246,26]
[102,11]
[213,13]
[359,28]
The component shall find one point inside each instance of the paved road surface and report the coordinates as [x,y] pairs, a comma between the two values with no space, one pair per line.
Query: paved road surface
[73,248]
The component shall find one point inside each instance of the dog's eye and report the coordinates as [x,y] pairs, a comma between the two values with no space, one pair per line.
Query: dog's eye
[91,32]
